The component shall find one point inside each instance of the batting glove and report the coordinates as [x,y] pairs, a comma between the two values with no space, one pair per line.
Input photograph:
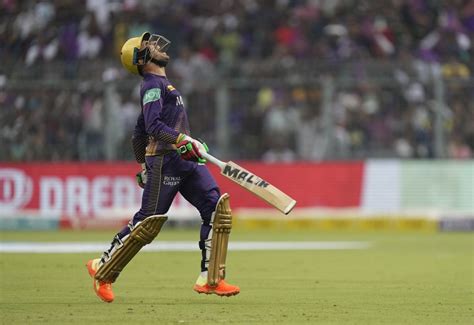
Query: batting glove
[190,149]
[142,176]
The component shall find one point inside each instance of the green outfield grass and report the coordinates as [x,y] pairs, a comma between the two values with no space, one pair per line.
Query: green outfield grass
[414,278]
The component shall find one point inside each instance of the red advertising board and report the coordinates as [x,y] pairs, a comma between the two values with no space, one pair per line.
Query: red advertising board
[310,184]
[90,189]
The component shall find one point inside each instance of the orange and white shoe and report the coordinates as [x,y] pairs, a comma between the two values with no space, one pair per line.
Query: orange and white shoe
[222,289]
[102,289]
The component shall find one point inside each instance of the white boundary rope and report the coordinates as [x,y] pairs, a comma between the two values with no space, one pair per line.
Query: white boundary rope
[178,246]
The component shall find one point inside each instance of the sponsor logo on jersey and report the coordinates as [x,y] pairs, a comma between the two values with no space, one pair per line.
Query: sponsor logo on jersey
[151,95]
[171,180]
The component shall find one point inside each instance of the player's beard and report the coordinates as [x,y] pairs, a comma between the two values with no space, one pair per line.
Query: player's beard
[161,63]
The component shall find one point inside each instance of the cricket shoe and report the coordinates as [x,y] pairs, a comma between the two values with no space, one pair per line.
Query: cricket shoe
[102,289]
[221,289]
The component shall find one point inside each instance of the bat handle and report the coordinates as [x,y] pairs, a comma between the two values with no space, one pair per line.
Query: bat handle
[213,160]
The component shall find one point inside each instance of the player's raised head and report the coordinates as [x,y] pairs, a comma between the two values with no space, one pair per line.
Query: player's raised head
[145,49]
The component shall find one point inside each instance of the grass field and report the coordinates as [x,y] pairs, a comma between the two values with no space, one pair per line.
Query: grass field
[403,278]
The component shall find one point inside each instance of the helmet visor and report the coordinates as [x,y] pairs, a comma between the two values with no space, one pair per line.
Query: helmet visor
[161,42]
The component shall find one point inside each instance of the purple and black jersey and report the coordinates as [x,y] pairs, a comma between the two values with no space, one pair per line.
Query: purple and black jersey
[162,119]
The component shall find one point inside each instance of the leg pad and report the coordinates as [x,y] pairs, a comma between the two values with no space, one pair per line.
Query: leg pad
[141,235]
[221,227]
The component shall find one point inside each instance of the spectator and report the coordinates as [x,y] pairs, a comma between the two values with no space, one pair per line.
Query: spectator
[404,45]
[278,151]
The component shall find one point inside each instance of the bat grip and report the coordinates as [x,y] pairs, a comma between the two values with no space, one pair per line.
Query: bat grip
[213,159]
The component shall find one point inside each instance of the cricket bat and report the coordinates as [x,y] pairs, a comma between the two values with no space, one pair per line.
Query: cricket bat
[254,184]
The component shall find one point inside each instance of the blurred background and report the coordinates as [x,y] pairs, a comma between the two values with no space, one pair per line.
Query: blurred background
[355,108]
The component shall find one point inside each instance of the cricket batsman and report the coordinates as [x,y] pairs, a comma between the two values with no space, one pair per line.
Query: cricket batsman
[171,161]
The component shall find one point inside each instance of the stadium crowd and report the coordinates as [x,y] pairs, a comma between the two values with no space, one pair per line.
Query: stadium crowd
[384,58]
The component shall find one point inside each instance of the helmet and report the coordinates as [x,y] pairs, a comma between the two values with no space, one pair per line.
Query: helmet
[132,56]
[128,54]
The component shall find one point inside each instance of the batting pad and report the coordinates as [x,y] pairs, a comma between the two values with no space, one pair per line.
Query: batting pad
[141,235]
[221,226]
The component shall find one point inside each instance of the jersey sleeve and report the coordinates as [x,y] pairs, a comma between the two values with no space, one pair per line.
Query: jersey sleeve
[152,103]
[140,139]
